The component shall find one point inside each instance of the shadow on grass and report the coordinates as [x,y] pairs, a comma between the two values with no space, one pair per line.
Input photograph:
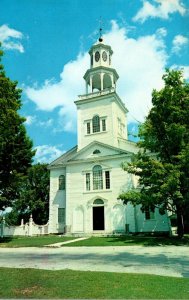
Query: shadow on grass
[150,240]
[6,239]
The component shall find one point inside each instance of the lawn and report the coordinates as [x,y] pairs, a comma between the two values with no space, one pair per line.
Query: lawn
[37,241]
[131,241]
[32,283]
[40,241]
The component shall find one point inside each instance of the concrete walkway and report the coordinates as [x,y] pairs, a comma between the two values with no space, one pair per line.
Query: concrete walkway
[57,245]
[166,261]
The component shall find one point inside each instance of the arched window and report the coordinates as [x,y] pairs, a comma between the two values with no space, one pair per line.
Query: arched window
[62,182]
[98,202]
[97,178]
[96,123]
[96,151]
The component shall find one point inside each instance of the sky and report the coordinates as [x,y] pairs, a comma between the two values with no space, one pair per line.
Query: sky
[46,44]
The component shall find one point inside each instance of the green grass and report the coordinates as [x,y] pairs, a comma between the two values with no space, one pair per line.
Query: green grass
[40,241]
[32,283]
[37,241]
[131,241]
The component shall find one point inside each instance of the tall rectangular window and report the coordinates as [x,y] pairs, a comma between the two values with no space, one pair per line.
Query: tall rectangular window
[97,178]
[103,125]
[88,183]
[107,178]
[61,215]
[62,182]
[96,123]
[88,128]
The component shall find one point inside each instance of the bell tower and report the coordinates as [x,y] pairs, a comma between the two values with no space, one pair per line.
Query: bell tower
[101,75]
[101,112]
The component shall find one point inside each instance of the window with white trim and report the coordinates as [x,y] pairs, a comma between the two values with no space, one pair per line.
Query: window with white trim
[61,215]
[96,124]
[88,183]
[103,124]
[62,182]
[97,178]
[107,179]
[88,127]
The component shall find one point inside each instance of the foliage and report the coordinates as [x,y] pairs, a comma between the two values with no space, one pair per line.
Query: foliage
[164,176]
[69,284]
[15,146]
[34,197]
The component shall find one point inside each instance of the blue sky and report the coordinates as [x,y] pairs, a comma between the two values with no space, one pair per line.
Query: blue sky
[46,45]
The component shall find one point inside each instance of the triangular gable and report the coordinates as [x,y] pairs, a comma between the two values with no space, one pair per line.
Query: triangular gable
[64,157]
[95,150]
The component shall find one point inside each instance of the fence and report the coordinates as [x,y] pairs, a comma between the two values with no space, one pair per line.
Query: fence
[28,229]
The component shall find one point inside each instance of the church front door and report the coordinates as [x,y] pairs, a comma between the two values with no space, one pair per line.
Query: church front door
[98,218]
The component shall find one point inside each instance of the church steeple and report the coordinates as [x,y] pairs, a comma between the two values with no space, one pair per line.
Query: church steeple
[101,75]
[101,113]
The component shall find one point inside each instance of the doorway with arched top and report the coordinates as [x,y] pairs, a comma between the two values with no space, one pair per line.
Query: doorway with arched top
[98,215]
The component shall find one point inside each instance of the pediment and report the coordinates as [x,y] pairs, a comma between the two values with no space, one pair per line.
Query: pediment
[63,158]
[96,150]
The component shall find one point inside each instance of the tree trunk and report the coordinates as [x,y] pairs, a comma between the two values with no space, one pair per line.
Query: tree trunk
[180,223]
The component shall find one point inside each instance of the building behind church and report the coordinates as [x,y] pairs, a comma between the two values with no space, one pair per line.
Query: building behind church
[86,181]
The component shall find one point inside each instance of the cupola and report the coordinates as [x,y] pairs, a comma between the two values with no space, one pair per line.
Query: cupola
[101,76]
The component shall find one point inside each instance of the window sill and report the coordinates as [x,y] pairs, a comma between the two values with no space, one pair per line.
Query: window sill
[93,133]
[96,191]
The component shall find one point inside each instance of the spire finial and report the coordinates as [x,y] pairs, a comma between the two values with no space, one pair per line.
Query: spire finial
[100,30]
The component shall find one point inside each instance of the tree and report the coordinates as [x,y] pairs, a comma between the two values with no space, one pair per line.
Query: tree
[34,197]
[15,146]
[164,175]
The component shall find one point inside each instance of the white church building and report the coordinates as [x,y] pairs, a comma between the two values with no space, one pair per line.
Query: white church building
[86,181]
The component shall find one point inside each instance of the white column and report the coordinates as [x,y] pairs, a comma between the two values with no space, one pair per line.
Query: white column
[86,85]
[91,83]
[112,79]
[101,81]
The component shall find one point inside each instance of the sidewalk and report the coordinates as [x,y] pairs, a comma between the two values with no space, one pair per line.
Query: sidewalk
[165,261]
[58,245]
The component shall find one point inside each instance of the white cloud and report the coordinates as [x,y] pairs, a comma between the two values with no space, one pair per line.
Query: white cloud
[46,124]
[9,38]
[184,68]
[185,71]
[33,119]
[178,42]
[47,153]
[160,8]
[63,93]
[139,62]
[30,120]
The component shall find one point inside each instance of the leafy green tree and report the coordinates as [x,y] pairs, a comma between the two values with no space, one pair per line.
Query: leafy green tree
[34,197]
[164,175]
[15,146]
